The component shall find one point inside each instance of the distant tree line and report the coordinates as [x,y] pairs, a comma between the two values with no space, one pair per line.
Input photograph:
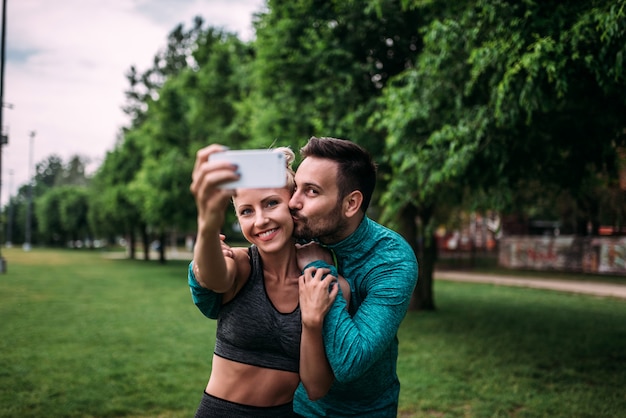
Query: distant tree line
[59,193]
[513,106]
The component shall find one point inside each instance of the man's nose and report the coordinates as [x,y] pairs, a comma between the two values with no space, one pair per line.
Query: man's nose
[294,202]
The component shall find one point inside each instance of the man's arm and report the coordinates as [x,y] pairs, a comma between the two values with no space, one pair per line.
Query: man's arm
[207,301]
[353,344]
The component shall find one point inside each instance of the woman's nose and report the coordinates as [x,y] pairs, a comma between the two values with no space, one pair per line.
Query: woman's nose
[261,219]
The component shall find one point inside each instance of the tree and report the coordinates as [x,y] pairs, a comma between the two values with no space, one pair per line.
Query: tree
[185,101]
[62,215]
[50,173]
[50,226]
[320,65]
[74,172]
[168,62]
[111,211]
[506,94]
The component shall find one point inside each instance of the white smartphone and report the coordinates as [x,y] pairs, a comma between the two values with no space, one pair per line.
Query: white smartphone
[259,168]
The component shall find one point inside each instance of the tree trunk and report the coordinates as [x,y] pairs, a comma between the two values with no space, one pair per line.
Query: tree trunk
[131,244]
[145,237]
[422,298]
[162,247]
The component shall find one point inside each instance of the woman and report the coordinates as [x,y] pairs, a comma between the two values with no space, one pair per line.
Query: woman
[264,345]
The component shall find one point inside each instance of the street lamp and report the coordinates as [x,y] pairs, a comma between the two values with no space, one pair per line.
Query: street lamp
[10,221]
[29,207]
[3,139]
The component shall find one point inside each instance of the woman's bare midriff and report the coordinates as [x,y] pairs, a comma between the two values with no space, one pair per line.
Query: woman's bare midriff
[251,385]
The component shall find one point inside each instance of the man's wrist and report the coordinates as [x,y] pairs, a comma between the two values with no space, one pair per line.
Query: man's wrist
[322,264]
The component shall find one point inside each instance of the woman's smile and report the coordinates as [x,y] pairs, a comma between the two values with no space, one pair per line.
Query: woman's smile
[268,235]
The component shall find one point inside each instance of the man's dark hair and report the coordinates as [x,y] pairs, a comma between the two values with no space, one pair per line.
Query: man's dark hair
[356,169]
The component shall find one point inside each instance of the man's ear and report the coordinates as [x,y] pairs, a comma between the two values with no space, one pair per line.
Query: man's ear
[352,203]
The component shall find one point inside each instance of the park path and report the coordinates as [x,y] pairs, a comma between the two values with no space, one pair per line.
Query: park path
[572,286]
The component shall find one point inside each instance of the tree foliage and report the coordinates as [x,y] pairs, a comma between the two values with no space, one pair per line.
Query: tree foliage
[61,213]
[186,100]
[321,64]
[509,105]
[504,96]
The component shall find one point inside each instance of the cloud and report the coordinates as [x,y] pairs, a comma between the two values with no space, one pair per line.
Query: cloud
[65,66]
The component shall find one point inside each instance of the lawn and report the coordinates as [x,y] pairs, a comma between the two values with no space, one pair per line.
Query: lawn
[87,336]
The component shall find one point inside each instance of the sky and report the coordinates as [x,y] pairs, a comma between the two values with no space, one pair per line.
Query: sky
[64,71]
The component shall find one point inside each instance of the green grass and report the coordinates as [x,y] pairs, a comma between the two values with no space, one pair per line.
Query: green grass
[493,351]
[86,336]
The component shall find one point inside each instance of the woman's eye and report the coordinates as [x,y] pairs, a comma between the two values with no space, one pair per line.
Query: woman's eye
[245,212]
[272,203]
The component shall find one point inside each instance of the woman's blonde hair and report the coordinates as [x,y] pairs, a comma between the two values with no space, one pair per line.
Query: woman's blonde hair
[290,156]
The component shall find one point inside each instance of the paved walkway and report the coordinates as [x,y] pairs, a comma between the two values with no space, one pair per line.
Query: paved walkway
[572,286]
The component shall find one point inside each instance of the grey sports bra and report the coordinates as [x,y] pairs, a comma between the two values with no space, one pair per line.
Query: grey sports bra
[250,330]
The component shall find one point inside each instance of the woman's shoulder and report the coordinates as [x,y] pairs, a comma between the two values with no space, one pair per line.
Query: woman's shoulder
[239,259]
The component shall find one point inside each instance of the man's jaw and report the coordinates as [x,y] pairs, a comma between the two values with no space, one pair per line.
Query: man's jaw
[300,231]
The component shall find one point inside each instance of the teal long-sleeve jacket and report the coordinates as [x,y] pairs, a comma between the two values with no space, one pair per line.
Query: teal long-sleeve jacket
[362,343]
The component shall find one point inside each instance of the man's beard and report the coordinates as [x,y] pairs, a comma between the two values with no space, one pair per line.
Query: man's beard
[326,229]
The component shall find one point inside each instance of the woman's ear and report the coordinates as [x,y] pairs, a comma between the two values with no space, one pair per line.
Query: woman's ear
[352,203]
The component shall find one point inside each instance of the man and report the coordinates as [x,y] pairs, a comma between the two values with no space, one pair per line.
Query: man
[334,185]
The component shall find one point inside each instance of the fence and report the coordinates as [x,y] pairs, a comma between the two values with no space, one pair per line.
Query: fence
[601,255]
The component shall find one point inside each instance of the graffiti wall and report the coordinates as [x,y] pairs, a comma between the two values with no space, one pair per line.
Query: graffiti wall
[603,255]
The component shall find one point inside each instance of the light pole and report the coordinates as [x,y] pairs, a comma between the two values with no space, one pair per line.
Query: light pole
[29,207]
[3,139]
[10,221]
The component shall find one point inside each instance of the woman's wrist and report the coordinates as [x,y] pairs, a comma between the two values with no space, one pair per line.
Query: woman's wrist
[312,323]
